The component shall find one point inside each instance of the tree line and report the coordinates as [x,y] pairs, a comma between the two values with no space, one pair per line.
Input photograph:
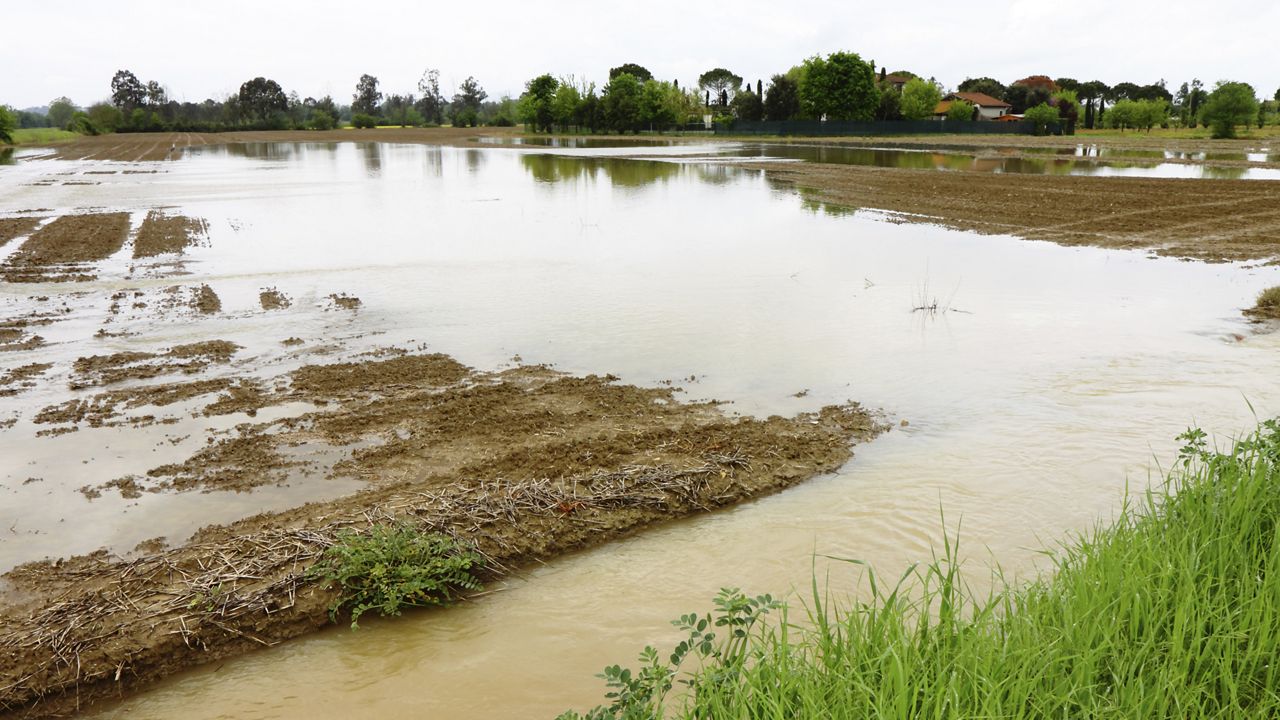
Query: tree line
[839,86]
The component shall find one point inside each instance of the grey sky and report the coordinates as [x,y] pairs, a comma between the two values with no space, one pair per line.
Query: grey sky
[317,48]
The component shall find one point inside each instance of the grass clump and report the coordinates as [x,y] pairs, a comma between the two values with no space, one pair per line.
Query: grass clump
[1267,305]
[390,567]
[1171,612]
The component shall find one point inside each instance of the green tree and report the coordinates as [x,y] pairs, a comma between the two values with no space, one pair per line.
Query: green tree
[565,103]
[261,98]
[8,123]
[1043,115]
[60,112]
[1124,113]
[367,98]
[432,103]
[984,85]
[156,95]
[659,105]
[536,104]
[839,87]
[1092,93]
[890,107]
[639,72]
[960,111]
[1067,102]
[321,120]
[399,110]
[1150,113]
[620,103]
[919,99]
[719,82]
[782,99]
[748,106]
[106,117]
[466,103]
[1230,104]
[127,92]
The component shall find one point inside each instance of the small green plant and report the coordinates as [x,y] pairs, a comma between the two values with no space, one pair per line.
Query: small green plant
[361,120]
[1043,116]
[639,695]
[390,567]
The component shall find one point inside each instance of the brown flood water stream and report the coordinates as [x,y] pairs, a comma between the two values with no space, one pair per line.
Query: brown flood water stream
[1046,380]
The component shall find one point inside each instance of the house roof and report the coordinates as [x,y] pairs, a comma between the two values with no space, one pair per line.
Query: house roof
[942,107]
[979,99]
[897,79]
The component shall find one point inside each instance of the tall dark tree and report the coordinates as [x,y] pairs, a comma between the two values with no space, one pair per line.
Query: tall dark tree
[261,98]
[639,72]
[127,91]
[984,85]
[719,82]
[156,96]
[1092,93]
[431,103]
[466,103]
[1126,91]
[1065,83]
[367,98]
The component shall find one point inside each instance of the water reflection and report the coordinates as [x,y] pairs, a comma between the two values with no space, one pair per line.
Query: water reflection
[624,173]
[1062,161]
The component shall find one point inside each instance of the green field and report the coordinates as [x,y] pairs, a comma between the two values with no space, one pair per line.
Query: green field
[40,136]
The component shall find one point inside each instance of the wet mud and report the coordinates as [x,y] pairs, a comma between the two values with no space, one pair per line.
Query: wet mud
[525,463]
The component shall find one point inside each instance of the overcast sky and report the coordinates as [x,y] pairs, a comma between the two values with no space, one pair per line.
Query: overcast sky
[207,49]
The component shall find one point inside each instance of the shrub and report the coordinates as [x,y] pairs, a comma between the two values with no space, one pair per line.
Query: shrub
[1268,304]
[363,120]
[81,123]
[960,111]
[1230,104]
[8,121]
[1043,116]
[394,566]
[321,120]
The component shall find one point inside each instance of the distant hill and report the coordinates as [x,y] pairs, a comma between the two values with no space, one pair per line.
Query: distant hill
[40,110]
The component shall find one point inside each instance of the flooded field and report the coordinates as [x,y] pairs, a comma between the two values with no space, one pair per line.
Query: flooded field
[1028,384]
[1082,160]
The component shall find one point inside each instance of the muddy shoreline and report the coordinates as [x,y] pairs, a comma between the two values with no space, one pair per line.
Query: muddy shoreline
[525,464]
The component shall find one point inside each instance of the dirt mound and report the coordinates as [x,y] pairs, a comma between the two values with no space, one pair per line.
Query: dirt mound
[187,359]
[343,301]
[21,378]
[273,299]
[161,233]
[67,240]
[11,228]
[206,301]
[524,464]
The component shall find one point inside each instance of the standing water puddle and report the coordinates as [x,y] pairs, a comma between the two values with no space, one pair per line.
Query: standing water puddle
[1047,379]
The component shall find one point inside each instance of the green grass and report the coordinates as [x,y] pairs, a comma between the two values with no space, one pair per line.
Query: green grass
[1171,612]
[39,136]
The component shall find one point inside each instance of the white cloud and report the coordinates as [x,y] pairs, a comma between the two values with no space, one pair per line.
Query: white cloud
[322,47]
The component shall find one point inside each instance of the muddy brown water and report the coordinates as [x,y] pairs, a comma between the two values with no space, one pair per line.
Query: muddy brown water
[1046,380]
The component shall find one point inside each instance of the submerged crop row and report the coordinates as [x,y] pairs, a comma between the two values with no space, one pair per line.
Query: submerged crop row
[1172,611]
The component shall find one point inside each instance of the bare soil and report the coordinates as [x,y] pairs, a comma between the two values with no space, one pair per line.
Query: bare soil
[11,228]
[525,463]
[273,299]
[1210,220]
[188,359]
[50,253]
[162,233]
